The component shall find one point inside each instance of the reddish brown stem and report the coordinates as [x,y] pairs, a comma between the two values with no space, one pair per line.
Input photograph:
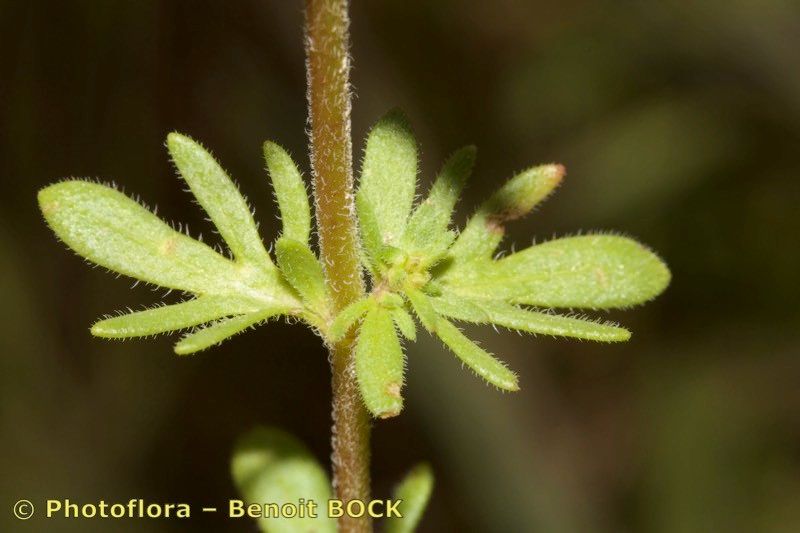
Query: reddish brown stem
[328,64]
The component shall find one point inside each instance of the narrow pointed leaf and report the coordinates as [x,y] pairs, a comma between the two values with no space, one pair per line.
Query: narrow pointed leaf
[423,309]
[172,317]
[404,323]
[479,360]
[379,364]
[391,300]
[513,317]
[389,175]
[435,248]
[515,199]
[271,466]
[220,198]
[290,192]
[414,492]
[347,317]
[111,230]
[427,227]
[304,272]
[591,271]
[220,331]
[370,232]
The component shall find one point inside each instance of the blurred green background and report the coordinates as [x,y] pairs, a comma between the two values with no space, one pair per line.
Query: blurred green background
[679,123]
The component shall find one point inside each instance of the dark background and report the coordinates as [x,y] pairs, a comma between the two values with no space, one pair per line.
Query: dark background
[679,123]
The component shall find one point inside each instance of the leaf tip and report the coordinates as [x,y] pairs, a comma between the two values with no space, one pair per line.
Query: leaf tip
[392,404]
[663,275]
[177,140]
[184,349]
[98,330]
[48,199]
[470,150]
[465,158]
[271,149]
[510,384]
[391,413]
[655,276]
[557,172]
[395,116]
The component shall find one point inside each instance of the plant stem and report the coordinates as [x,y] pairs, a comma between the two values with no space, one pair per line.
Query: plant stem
[328,71]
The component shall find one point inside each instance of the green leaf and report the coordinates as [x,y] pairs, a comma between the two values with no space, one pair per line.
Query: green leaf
[172,317]
[303,272]
[388,176]
[427,227]
[290,192]
[220,198]
[423,308]
[347,317]
[272,466]
[436,248]
[475,357]
[591,271]
[379,364]
[404,323]
[222,330]
[109,229]
[370,232]
[414,492]
[391,300]
[511,316]
[515,199]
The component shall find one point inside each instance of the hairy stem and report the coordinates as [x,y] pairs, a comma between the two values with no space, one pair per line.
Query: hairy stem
[328,71]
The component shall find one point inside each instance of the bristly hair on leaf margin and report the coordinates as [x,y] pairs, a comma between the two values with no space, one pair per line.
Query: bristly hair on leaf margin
[419,265]
[229,293]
